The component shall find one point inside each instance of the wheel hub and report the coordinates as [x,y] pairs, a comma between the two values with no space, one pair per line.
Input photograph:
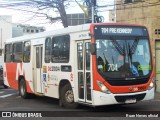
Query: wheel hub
[69,96]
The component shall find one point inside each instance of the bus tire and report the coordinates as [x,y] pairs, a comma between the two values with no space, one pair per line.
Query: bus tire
[23,89]
[67,97]
[5,86]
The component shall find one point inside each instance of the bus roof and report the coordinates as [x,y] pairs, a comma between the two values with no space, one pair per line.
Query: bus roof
[50,33]
[62,31]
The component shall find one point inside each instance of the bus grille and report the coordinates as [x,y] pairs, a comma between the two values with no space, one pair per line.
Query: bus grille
[128,82]
[125,97]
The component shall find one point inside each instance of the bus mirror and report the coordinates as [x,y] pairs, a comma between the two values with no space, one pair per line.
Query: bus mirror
[93,48]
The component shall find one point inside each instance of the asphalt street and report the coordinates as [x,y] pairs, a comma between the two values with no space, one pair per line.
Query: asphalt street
[49,107]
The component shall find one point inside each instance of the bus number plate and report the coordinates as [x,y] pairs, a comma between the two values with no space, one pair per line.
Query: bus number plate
[128,101]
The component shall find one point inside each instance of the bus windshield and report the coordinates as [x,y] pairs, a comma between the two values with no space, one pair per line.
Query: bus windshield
[123,57]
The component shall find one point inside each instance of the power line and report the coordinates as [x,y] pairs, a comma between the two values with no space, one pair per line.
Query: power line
[126,6]
[100,6]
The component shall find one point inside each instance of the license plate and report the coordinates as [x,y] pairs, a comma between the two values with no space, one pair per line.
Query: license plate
[128,101]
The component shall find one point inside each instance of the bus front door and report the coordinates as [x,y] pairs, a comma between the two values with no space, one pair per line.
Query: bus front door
[38,83]
[84,72]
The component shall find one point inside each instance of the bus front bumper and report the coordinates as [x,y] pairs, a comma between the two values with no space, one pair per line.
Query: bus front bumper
[100,98]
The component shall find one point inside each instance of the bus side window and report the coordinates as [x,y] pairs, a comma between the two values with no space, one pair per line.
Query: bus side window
[17,52]
[48,50]
[65,49]
[8,53]
[60,49]
[80,56]
[26,51]
[87,55]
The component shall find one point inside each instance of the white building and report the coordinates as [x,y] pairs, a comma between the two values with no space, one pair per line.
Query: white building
[20,30]
[5,29]
[9,30]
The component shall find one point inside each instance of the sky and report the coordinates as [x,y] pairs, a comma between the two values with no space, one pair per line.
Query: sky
[29,18]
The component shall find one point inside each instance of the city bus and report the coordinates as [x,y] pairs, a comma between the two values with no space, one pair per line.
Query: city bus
[92,64]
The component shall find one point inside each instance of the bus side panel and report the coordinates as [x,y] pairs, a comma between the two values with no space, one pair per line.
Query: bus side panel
[10,75]
[12,71]
[53,76]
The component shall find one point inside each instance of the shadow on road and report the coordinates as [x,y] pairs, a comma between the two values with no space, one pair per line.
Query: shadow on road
[106,108]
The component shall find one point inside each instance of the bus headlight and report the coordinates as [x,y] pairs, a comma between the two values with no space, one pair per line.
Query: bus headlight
[151,85]
[103,87]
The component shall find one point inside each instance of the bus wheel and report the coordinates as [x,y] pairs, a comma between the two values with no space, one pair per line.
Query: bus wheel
[22,89]
[5,86]
[67,97]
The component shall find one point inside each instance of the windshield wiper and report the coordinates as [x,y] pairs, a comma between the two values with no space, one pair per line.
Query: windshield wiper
[118,47]
[134,46]
[133,69]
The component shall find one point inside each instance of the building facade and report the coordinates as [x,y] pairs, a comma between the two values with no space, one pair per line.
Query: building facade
[143,12]
[20,30]
[9,30]
[5,33]
[5,29]
[112,16]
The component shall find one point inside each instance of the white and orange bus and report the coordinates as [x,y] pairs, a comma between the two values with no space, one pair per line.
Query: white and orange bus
[92,64]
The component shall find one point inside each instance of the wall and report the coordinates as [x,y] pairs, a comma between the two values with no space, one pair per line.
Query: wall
[144,12]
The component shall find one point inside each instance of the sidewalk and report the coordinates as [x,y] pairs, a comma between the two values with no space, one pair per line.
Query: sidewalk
[157,96]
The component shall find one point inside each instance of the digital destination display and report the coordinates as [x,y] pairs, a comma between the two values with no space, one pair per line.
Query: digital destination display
[120,31]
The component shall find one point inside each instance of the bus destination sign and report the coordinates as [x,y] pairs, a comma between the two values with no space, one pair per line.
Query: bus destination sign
[121,31]
[116,30]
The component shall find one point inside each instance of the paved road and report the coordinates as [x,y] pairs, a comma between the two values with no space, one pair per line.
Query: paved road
[11,101]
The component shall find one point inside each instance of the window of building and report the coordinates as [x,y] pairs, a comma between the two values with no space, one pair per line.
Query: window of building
[47,50]
[60,49]
[28,30]
[130,1]
[32,31]
[8,53]
[17,52]
[26,51]
[37,31]
[42,30]
[157,31]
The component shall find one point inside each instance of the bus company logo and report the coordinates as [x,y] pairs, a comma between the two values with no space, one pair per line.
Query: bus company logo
[53,68]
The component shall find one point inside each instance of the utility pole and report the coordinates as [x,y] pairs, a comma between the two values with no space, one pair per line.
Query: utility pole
[93,4]
[91,1]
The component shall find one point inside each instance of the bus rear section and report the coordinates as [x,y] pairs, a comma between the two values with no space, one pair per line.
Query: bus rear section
[123,70]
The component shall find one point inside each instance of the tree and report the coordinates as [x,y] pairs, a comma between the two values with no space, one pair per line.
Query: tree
[41,7]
